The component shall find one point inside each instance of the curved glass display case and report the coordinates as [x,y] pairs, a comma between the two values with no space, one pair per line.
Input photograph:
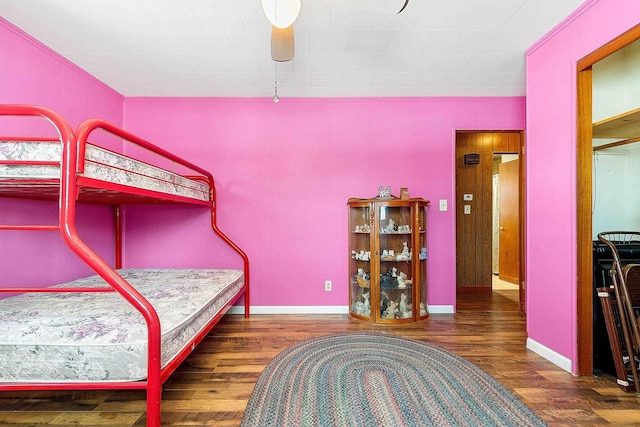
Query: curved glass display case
[388,259]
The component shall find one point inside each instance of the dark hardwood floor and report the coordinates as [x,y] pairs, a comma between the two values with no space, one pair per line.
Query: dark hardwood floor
[213,385]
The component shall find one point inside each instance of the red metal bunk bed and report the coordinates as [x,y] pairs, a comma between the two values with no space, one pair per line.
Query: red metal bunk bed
[74,186]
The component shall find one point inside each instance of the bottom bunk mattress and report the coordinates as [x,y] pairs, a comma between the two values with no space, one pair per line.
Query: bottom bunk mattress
[77,337]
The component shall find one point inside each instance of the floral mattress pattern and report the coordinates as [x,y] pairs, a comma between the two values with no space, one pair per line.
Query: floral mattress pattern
[101,164]
[99,336]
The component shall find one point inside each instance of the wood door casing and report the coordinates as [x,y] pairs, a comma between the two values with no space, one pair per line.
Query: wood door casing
[584,229]
[474,230]
[509,233]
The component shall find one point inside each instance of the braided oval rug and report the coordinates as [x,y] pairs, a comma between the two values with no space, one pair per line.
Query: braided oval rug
[372,379]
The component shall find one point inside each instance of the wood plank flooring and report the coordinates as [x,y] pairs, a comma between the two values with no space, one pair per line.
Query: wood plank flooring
[213,385]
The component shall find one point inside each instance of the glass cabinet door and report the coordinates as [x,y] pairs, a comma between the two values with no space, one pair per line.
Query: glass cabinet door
[421,213]
[395,267]
[360,261]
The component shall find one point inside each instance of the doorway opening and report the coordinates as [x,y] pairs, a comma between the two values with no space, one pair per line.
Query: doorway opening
[505,256]
[584,203]
[489,212]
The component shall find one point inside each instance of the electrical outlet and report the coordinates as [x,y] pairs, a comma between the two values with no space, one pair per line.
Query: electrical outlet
[327,285]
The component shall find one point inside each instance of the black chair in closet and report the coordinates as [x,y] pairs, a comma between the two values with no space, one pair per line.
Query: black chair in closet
[620,301]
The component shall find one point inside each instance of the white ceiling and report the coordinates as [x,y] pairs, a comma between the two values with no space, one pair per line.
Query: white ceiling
[344,48]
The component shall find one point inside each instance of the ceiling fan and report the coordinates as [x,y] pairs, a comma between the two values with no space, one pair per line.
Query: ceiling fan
[282,14]
[386,7]
[282,43]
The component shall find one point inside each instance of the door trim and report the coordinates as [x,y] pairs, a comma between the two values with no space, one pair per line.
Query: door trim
[584,226]
[522,200]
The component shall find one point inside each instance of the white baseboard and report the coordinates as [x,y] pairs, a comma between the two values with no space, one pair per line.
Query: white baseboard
[551,355]
[292,309]
[441,309]
[310,309]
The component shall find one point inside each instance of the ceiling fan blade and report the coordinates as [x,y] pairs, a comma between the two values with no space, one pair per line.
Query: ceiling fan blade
[282,44]
[406,2]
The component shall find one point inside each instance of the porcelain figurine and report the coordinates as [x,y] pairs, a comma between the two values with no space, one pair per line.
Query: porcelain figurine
[403,304]
[402,280]
[390,312]
[390,227]
[405,255]
[384,303]
[384,193]
[362,255]
[423,309]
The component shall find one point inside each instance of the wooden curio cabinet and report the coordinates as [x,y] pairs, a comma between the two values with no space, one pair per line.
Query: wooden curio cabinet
[388,259]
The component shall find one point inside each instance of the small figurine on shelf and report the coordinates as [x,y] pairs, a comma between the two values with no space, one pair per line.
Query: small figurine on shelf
[361,256]
[384,193]
[406,229]
[394,272]
[387,255]
[406,254]
[423,309]
[359,308]
[390,312]
[363,278]
[384,303]
[423,253]
[388,282]
[403,303]
[362,228]
[403,282]
[404,307]
[390,227]
[367,305]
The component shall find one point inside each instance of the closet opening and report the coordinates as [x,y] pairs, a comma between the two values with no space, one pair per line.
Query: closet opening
[607,123]
[505,256]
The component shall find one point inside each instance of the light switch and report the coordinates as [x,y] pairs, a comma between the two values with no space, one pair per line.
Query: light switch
[443,205]
[467,197]
[467,209]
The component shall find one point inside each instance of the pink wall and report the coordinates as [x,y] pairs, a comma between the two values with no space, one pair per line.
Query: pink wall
[551,166]
[33,74]
[285,171]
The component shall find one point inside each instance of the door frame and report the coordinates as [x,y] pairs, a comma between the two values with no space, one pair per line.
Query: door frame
[521,206]
[584,188]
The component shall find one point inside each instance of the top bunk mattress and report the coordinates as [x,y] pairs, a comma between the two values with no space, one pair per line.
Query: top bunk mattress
[82,337]
[21,165]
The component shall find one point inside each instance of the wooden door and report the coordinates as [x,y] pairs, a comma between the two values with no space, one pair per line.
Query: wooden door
[509,231]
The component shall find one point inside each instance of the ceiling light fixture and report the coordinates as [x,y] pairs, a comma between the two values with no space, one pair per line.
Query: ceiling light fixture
[281,13]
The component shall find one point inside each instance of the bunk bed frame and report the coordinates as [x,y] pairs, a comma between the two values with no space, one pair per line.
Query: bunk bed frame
[73,187]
